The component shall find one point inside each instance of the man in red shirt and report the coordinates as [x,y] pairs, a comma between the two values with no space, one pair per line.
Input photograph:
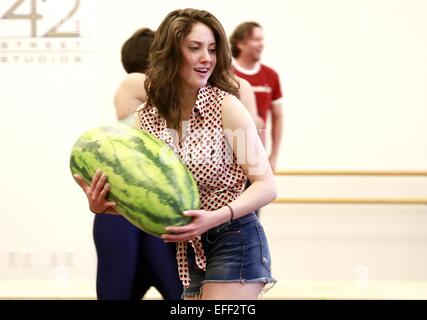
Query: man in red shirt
[247,43]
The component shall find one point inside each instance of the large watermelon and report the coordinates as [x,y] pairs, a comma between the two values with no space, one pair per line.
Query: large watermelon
[148,181]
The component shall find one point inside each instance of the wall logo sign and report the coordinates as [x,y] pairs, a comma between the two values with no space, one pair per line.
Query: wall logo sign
[42,32]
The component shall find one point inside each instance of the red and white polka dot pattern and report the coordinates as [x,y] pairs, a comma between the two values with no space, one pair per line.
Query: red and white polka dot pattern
[205,151]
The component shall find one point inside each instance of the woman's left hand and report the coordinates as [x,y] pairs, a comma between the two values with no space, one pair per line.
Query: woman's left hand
[202,222]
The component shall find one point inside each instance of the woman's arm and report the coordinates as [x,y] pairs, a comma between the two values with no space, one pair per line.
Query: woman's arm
[242,136]
[130,95]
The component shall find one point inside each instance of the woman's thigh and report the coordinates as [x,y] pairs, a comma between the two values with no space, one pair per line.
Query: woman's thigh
[231,291]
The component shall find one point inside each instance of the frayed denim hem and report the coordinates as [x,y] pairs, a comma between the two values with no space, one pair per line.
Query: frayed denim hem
[191,294]
[268,282]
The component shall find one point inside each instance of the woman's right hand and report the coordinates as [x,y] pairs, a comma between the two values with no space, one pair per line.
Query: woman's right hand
[97,192]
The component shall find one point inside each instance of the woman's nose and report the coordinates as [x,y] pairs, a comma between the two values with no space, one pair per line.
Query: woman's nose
[206,57]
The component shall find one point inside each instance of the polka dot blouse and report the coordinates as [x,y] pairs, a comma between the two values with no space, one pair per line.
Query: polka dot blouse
[205,151]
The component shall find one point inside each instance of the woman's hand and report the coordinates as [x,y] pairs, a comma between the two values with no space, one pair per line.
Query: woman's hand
[97,192]
[202,222]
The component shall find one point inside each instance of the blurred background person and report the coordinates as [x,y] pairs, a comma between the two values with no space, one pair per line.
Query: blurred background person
[131,261]
[247,44]
[131,92]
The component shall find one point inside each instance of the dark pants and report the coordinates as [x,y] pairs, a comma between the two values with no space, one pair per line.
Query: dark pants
[130,261]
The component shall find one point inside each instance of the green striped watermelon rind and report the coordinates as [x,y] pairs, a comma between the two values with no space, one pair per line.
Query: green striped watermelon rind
[169,184]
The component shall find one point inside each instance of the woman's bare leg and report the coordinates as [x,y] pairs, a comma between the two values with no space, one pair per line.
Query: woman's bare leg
[231,291]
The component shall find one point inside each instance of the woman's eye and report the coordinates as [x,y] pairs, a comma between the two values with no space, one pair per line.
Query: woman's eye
[194,48]
[212,50]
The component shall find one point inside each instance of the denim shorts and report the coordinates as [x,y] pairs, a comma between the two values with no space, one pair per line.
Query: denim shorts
[236,251]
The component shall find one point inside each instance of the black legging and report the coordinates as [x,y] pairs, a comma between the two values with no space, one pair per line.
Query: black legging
[130,261]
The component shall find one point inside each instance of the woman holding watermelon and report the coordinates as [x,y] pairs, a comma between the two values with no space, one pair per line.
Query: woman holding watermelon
[193,106]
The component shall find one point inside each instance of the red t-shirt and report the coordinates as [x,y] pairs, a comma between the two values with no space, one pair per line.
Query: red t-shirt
[266,85]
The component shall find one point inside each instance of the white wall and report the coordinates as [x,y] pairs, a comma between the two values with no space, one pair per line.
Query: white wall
[354,76]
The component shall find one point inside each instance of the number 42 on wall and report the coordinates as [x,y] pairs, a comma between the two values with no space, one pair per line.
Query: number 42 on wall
[33,16]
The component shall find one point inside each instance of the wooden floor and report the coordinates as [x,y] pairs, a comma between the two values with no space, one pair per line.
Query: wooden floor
[332,252]
[85,289]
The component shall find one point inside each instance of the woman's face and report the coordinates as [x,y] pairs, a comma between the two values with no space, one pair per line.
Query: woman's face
[198,50]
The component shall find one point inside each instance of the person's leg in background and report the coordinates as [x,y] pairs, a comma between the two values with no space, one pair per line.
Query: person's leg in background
[159,261]
[117,246]
[142,281]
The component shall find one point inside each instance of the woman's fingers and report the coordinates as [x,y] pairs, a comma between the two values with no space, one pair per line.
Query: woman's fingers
[97,192]
[188,231]
[99,187]
[193,213]
[178,237]
[103,194]
[81,183]
[181,229]
[104,191]
[182,233]
[95,179]
[111,204]
[96,186]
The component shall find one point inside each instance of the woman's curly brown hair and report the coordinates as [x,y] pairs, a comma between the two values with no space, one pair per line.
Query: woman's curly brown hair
[165,59]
